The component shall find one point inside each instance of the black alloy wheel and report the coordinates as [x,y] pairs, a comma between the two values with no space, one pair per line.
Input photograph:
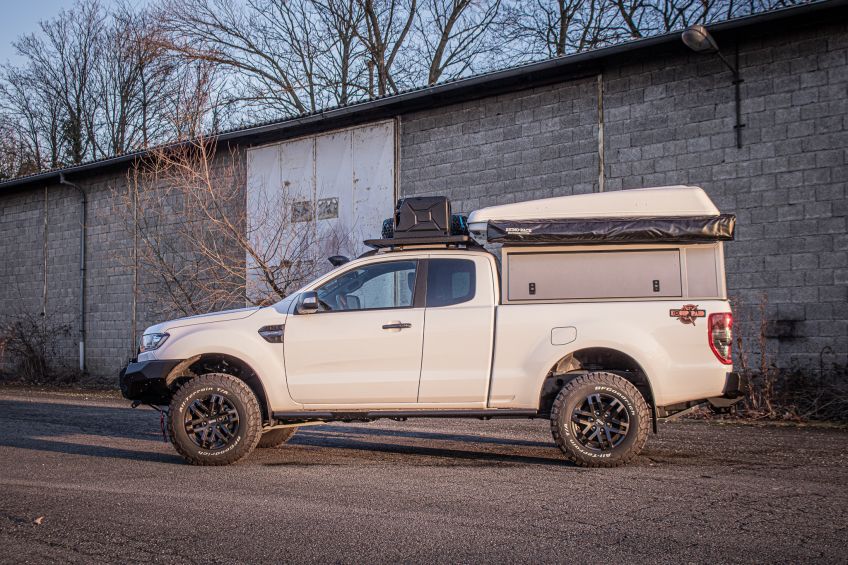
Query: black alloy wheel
[600,423]
[211,422]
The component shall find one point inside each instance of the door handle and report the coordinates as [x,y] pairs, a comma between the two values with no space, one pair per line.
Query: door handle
[397,326]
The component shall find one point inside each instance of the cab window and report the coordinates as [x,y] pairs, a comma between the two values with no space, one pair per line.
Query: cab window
[450,281]
[390,284]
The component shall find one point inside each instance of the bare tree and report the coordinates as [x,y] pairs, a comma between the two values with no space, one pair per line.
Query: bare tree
[345,72]
[455,34]
[62,59]
[199,246]
[284,56]
[97,83]
[385,29]
[16,153]
[133,76]
[34,116]
[553,28]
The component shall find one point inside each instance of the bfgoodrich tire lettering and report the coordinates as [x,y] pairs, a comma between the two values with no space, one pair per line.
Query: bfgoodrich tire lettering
[276,438]
[222,402]
[592,397]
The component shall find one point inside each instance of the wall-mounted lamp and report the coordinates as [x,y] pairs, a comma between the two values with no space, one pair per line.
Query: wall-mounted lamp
[699,40]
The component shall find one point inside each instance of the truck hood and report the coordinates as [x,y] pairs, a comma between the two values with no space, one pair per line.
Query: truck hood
[213,317]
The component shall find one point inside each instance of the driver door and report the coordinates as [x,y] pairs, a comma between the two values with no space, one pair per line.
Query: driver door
[364,344]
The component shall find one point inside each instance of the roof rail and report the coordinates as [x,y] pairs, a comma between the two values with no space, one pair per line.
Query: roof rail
[400,242]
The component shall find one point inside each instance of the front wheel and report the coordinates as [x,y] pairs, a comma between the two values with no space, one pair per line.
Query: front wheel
[214,419]
[600,420]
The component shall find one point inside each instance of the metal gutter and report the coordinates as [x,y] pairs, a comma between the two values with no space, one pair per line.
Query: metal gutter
[529,75]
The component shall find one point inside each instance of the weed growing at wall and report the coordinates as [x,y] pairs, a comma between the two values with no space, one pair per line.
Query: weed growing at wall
[29,350]
[798,393]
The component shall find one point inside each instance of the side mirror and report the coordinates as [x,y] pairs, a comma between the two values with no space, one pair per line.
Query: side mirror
[338,260]
[308,303]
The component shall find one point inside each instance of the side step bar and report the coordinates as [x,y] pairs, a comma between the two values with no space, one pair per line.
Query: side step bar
[369,415]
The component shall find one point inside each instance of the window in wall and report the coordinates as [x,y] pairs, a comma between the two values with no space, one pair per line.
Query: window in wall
[450,281]
[389,284]
[328,208]
[301,211]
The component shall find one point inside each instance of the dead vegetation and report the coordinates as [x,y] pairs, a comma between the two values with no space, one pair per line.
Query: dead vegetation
[201,244]
[798,393]
[29,350]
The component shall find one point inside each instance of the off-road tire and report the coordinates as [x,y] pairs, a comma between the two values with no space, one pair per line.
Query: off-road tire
[238,396]
[276,438]
[572,397]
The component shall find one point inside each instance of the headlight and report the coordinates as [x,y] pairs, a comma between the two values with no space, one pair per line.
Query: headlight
[149,342]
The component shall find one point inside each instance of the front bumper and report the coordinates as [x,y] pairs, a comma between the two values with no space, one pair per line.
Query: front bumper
[146,381]
[735,385]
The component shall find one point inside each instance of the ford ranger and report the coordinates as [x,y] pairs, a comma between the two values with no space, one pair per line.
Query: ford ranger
[602,313]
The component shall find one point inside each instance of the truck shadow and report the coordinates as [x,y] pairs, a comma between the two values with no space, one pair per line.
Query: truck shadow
[100,431]
[56,427]
[415,434]
[456,449]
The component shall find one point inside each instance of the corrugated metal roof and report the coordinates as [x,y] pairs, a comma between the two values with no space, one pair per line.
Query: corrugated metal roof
[556,69]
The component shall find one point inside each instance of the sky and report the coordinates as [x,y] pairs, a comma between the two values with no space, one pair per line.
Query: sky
[19,17]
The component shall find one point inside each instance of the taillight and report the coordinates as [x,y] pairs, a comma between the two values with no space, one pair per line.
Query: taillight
[721,336]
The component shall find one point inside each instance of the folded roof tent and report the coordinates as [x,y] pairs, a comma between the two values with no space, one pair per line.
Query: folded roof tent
[681,214]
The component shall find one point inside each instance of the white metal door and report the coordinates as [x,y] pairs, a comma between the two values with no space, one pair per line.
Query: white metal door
[336,188]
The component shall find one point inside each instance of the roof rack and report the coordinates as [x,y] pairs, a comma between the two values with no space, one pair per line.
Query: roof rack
[446,240]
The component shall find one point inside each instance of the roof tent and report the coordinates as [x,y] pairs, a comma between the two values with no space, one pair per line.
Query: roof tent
[680,214]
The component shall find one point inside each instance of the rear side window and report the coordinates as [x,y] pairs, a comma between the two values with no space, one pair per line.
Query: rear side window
[450,281]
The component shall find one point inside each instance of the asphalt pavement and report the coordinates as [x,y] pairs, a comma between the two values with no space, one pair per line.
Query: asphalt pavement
[89,480]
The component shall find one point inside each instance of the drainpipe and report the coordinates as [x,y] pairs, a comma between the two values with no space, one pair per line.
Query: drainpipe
[83,207]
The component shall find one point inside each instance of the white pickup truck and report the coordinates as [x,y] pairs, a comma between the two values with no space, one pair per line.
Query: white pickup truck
[604,313]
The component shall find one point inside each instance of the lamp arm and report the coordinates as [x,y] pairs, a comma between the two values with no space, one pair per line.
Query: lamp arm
[733,69]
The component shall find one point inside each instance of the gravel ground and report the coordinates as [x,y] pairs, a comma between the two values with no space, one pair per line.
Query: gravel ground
[87,479]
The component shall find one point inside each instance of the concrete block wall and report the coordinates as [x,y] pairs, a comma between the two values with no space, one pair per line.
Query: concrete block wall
[669,120]
[117,310]
[21,252]
[39,271]
[536,143]
[62,274]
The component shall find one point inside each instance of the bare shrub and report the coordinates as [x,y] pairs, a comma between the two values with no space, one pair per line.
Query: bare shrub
[201,246]
[774,393]
[29,350]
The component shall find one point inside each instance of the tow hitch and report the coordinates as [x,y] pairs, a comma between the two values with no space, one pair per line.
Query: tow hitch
[163,412]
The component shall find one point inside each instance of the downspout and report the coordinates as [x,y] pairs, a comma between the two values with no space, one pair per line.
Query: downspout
[83,208]
[602,177]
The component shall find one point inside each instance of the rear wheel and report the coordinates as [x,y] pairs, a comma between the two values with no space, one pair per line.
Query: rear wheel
[600,420]
[276,438]
[214,419]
